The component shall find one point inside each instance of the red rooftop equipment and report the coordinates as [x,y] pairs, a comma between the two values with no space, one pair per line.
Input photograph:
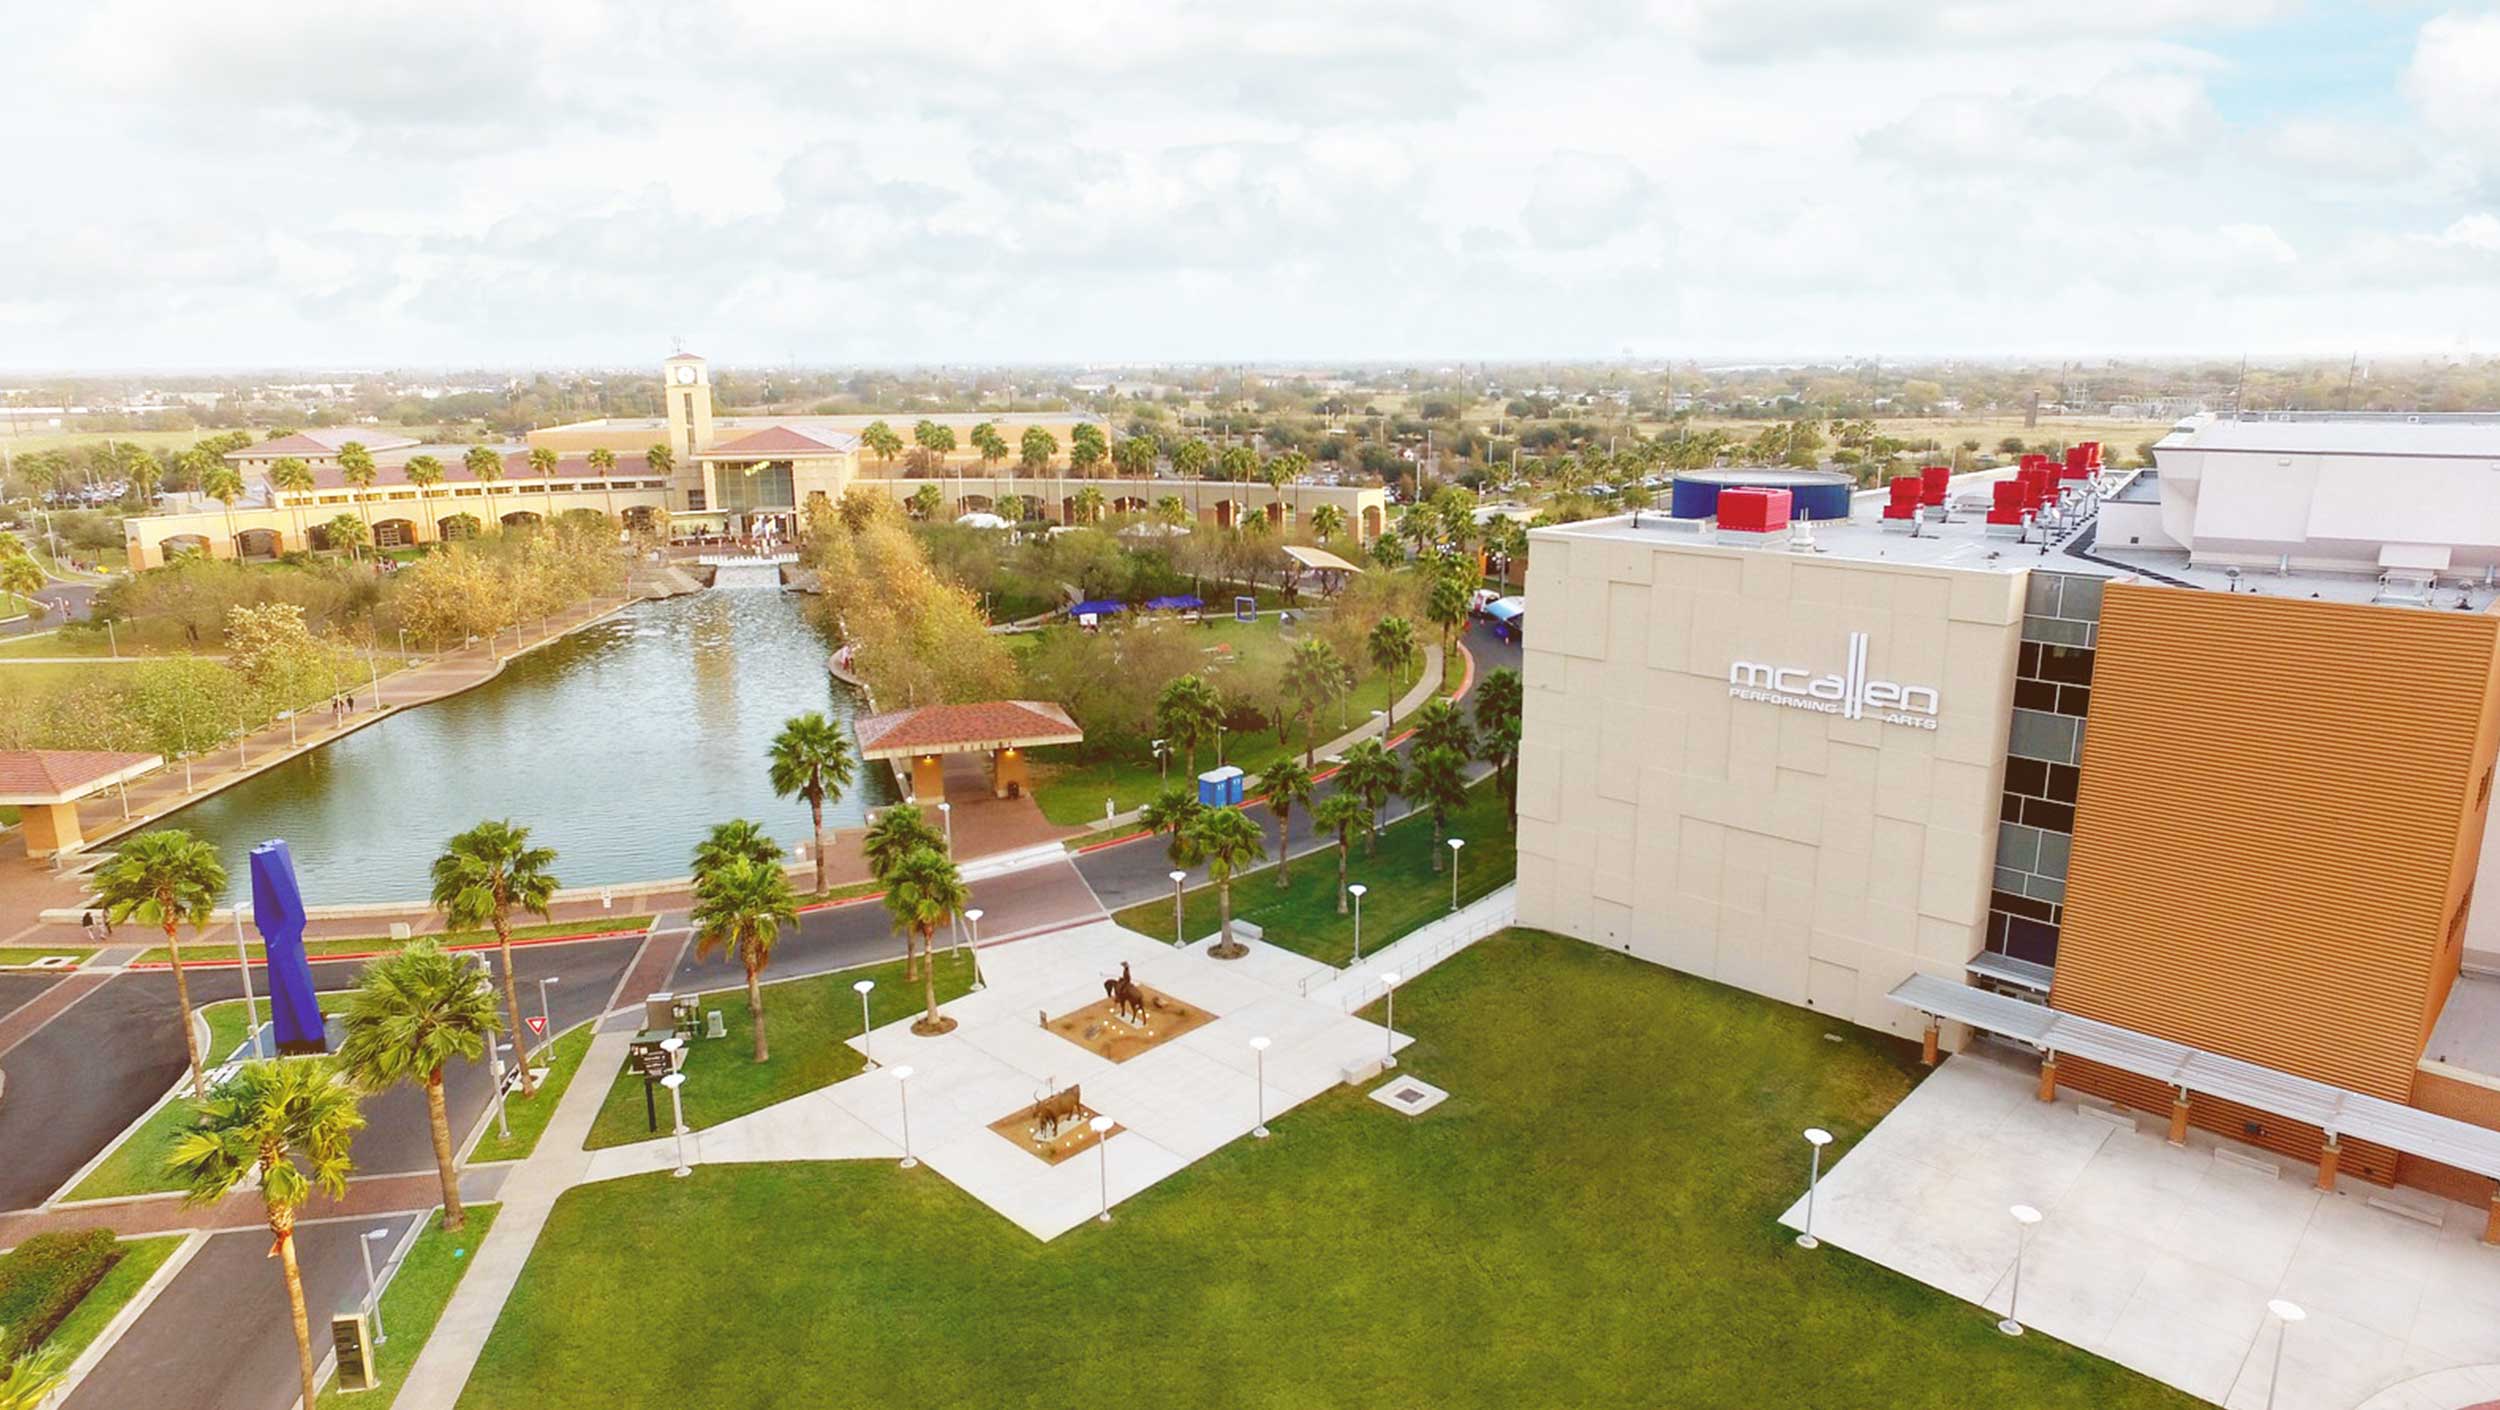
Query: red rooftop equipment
[1753,510]
[2007,506]
[1933,481]
[1905,490]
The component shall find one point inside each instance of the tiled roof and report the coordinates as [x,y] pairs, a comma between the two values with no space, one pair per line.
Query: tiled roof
[782,440]
[324,441]
[991,724]
[58,775]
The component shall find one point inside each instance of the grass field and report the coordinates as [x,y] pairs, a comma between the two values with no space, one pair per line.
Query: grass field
[139,1261]
[1589,1220]
[211,951]
[528,1119]
[27,441]
[1302,915]
[136,1166]
[14,955]
[805,1023]
[413,1303]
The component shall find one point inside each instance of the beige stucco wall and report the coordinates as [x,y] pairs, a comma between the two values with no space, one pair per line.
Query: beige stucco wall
[1809,858]
[144,536]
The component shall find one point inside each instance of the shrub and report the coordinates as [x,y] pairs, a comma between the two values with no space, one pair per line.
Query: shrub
[43,1279]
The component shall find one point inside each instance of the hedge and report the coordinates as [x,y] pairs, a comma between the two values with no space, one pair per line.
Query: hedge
[42,1280]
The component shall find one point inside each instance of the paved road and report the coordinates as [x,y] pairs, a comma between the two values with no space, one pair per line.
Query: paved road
[85,1076]
[74,597]
[185,1354]
[16,989]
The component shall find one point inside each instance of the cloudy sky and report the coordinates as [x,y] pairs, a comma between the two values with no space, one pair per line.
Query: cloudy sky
[474,182]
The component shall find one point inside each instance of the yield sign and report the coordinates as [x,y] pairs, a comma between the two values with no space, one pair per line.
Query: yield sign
[538,1025]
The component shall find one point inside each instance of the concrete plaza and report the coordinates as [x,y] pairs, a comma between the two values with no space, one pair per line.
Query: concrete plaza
[2162,1258]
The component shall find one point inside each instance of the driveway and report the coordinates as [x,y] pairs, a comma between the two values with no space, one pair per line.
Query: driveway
[2160,1258]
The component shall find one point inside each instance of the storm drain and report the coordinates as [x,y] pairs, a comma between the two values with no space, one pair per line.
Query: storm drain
[1409,1095]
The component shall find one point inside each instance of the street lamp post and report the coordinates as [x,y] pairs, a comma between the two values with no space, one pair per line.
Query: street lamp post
[2285,1313]
[676,1084]
[373,1288]
[1356,891]
[495,1052]
[861,989]
[1163,759]
[974,915]
[243,962]
[1818,1138]
[2024,1217]
[1388,1022]
[1178,876]
[1258,1046]
[546,1021]
[1101,1127]
[946,813]
[1455,844]
[902,1093]
[289,717]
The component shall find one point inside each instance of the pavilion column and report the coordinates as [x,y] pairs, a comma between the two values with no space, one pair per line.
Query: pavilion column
[928,779]
[2491,1225]
[1928,1042]
[2329,1156]
[2048,1078]
[2179,1117]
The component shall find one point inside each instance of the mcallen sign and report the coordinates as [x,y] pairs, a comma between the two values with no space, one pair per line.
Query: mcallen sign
[1852,695]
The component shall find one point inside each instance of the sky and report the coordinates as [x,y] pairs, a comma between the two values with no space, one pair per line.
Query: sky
[466,183]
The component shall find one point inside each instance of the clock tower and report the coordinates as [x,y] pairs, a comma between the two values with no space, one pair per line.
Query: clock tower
[686,395]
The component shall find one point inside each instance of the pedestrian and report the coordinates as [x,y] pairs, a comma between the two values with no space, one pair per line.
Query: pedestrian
[94,933]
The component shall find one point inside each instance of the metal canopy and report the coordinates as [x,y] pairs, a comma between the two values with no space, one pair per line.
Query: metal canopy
[2336,1110]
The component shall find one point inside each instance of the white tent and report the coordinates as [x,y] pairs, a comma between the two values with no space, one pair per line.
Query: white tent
[979,519]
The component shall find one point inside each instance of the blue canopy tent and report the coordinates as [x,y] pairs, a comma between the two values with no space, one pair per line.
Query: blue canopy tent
[1506,609]
[278,914]
[1098,606]
[1186,602]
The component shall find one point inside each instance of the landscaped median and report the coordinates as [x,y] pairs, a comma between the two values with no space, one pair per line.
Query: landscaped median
[61,1289]
[528,1119]
[1403,892]
[205,950]
[806,1024]
[414,1302]
[26,956]
[1591,1218]
[136,1164]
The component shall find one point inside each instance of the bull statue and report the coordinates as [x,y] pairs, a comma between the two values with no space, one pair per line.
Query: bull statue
[1053,1111]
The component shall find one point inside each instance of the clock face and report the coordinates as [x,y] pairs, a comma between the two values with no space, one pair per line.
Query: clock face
[685,374]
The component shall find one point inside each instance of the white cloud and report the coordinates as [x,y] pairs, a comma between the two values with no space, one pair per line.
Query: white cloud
[2454,79]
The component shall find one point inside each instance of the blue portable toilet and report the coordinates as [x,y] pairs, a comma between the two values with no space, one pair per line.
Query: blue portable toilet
[1220,788]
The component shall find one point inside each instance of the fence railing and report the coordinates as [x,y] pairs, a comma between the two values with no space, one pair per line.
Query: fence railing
[1499,911]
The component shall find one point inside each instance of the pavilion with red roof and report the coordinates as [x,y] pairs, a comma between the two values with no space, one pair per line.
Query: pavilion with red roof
[1002,728]
[44,785]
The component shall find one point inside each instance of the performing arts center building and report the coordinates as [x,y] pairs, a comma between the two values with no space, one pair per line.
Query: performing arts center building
[2174,780]
[738,475]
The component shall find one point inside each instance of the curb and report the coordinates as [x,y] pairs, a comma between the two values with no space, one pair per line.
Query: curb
[156,965]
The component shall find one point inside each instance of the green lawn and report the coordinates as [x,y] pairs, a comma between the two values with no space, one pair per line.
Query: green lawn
[372,944]
[1404,894]
[137,1165]
[528,1119]
[139,1261]
[1585,1222]
[805,1023]
[414,1302]
[28,954]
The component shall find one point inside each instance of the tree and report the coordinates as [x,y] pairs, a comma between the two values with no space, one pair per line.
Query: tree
[486,468]
[1135,457]
[602,461]
[1227,841]
[261,1122]
[1088,505]
[1370,772]
[224,484]
[22,575]
[1086,448]
[289,475]
[1188,713]
[989,445]
[892,836]
[927,503]
[1327,522]
[810,760]
[1313,677]
[1498,724]
[356,468]
[1447,608]
[1170,511]
[1339,814]
[1392,648]
[1289,786]
[1437,782]
[925,892]
[881,442]
[346,531]
[1191,459]
[425,472]
[663,461]
[166,878]
[1036,449]
[543,460]
[934,443]
[737,840]
[411,1015]
[480,877]
[1171,811]
[1440,725]
[740,906]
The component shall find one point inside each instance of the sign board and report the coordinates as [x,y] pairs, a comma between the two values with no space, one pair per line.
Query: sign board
[649,1060]
[353,1341]
[537,1023]
[1245,609]
[1852,694]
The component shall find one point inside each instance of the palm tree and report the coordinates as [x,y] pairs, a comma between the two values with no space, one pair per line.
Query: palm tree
[1327,522]
[1169,510]
[989,445]
[1188,713]
[936,442]
[1227,841]
[224,484]
[925,892]
[893,835]
[1499,717]
[486,468]
[1341,812]
[348,532]
[881,442]
[1448,608]
[1171,811]
[1191,458]
[261,1122]
[739,908]
[543,460]
[1313,676]
[1086,448]
[928,502]
[478,880]
[1437,782]
[290,475]
[603,462]
[1134,457]
[411,1015]
[1088,505]
[1238,463]
[22,575]
[1392,648]
[425,472]
[165,878]
[356,468]
[1289,785]
[1037,448]
[1440,725]
[1370,772]
[811,761]
[737,840]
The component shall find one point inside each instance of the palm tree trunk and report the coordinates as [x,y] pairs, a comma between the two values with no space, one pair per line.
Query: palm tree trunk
[755,1012]
[190,1032]
[282,1224]
[1284,847]
[816,812]
[1341,851]
[1436,842]
[911,955]
[1224,946]
[928,975]
[512,1004]
[439,1121]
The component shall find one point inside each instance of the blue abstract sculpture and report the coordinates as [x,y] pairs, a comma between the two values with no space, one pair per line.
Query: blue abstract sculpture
[278,913]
